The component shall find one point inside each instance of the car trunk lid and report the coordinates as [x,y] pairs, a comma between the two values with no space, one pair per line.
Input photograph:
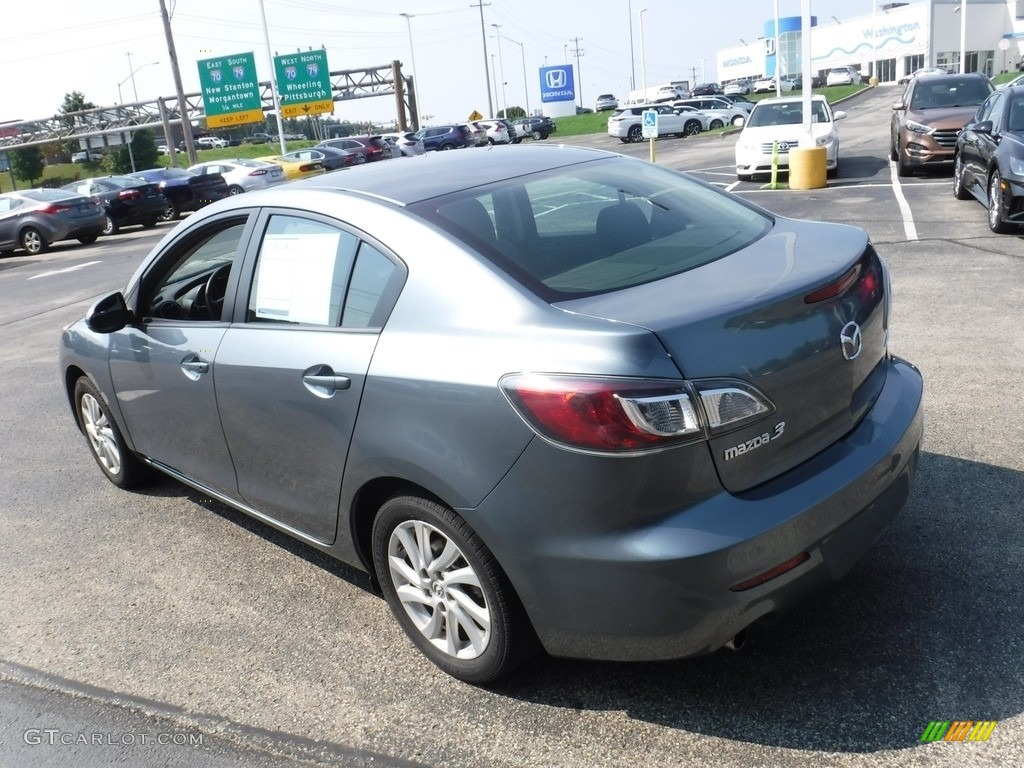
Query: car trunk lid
[800,314]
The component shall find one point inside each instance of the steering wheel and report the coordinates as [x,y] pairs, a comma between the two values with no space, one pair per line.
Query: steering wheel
[215,289]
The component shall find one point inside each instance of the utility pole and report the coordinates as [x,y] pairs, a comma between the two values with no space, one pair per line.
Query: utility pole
[577,52]
[186,124]
[487,73]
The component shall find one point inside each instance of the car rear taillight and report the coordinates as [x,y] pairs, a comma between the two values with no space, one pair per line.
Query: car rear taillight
[597,413]
[129,194]
[55,208]
[258,172]
[604,414]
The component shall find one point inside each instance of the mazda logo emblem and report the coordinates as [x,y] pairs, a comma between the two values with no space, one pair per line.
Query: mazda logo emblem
[850,340]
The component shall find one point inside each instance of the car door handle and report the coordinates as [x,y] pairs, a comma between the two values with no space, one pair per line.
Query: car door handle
[322,381]
[193,367]
[328,382]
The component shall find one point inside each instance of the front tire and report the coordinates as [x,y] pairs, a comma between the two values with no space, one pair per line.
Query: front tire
[122,467]
[110,226]
[902,168]
[447,591]
[88,239]
[995,204]
[170,213]
[959,188]
[33,242]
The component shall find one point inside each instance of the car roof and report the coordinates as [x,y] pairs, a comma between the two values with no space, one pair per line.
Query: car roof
[442,173]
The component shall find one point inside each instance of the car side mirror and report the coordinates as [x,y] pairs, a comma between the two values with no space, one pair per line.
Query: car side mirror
[899,105]
[984,127]
[108,315]
[740,121]
[838,115]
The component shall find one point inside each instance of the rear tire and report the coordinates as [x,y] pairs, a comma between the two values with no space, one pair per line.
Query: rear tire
[234,189]
[122,467]
[33,242]
[636,134]
[448,592]
[714,125]
[692,128]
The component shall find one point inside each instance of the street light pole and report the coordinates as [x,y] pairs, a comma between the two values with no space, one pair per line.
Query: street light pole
[412,54]
[501,66]
[131,76]
[643,58]
[632,58]
[526,90]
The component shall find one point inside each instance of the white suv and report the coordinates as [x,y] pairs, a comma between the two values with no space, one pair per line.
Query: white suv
[627,124]
[210,142]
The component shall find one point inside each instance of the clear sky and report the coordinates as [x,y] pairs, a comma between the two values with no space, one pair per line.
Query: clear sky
[51,47]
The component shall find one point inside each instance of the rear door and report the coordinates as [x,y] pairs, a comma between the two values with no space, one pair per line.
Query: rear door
[291,369]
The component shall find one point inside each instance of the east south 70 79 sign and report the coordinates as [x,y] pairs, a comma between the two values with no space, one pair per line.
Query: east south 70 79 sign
[231,90]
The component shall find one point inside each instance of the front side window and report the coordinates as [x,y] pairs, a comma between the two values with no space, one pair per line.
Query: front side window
[190,281]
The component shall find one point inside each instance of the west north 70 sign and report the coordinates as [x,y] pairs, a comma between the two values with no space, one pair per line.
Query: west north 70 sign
[556,84]
[304,83]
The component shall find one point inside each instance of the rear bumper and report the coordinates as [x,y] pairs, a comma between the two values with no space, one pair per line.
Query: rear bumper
[606,576]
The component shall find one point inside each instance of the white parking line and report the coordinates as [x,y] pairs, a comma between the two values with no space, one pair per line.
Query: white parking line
[66,269]
[908,218]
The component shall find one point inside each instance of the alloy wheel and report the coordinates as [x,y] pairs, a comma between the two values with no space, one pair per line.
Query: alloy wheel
[100,434]
[439,589]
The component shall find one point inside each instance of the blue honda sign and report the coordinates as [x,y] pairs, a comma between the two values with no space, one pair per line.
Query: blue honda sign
[556,84]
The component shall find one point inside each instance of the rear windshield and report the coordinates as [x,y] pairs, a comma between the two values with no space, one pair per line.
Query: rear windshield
[48,195]
[950,92]
[598,227]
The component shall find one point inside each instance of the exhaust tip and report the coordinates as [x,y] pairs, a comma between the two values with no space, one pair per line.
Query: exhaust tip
[738,641]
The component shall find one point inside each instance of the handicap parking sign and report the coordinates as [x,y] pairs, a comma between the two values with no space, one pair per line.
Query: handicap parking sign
[649,127]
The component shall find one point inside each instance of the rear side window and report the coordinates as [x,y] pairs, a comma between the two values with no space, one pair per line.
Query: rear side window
[598,227]
[314,273]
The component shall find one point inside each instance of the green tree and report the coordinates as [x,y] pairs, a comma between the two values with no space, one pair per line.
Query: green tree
[73,102]
[514,113]
[143,149]
[27,163]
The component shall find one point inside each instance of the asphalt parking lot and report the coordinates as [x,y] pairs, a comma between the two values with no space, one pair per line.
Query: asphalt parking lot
[162,612]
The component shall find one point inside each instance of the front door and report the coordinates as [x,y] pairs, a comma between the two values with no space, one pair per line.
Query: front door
[162,366]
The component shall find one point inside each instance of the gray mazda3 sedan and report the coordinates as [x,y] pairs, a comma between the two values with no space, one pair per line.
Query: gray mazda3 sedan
[548,397]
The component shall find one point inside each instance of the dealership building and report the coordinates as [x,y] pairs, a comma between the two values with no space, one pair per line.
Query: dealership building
[890,43]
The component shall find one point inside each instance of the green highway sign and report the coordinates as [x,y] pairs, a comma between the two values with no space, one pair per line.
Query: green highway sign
[231,90]
[304,83]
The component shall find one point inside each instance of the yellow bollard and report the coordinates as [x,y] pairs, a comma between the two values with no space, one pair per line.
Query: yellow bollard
[652,150]
[807,168]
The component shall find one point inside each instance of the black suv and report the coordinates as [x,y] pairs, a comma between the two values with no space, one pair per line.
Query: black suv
[537,127]
[444,137]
